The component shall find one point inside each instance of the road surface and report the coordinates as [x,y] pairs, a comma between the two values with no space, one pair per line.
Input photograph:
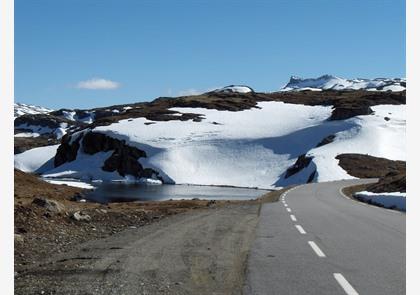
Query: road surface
[316,241]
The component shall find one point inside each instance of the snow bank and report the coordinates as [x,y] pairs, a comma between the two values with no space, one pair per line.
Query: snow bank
[36,159]
[73,183]
[27,134]
[370,134]
[86,167]
[388,200]
[249,148]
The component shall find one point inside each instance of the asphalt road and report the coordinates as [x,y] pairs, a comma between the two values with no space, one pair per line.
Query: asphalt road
[316,241]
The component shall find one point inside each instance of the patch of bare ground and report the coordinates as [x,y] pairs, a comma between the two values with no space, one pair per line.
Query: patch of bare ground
[391,174]
[22,144]
[365,166]
[49,224]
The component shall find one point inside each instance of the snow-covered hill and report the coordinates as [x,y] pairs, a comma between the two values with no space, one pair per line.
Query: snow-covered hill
[327,82]
[249,148]
[23,109]
[234,89]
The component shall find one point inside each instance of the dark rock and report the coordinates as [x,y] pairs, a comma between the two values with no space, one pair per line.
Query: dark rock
[387,118]
[326,140]
[311,177]
[302,162]
[346,112]
[67,151]
[124,159]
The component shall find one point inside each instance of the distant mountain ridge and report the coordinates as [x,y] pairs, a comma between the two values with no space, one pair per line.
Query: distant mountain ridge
[21,109]
[330,82]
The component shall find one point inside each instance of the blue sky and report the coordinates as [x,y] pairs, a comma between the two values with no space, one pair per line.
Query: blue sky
[145,49]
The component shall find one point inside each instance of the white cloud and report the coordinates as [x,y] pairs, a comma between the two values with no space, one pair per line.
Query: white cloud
[98,83]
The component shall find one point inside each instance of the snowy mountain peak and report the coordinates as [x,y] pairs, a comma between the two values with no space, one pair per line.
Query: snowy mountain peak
[21,109]
[234,89]
[327,82]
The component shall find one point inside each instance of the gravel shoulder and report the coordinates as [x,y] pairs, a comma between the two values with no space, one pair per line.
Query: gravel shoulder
[196,252]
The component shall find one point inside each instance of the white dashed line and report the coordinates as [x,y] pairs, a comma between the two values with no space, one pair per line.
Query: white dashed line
[292,217]
[300,229]
[285,205]
[345,284]
[316,249]
[289,210]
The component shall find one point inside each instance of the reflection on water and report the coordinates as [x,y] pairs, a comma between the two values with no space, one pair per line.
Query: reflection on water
[117,192]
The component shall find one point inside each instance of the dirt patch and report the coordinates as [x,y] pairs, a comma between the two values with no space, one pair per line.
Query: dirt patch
[391,174]
[392,182]
[365,166]
[28,186]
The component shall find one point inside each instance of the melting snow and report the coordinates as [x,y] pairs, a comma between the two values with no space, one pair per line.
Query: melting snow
[388,200]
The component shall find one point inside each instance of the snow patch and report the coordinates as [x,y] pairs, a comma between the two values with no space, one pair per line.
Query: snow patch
[36,159]
[234,89]
[388,200]
[73,183]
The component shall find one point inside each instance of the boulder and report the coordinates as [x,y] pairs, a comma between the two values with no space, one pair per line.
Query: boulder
[326,140]
[49,205]
[302,162]
[346,112]
[80,216]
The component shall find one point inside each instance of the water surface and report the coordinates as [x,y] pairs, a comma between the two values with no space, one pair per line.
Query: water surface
[121,192]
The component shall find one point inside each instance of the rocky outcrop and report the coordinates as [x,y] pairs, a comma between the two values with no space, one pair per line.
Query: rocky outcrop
[124,158]
[68,149]
[326,140]
[302,162]
[346,112]
[311,177]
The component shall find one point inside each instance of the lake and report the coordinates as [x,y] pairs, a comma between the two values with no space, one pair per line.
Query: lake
[121,192]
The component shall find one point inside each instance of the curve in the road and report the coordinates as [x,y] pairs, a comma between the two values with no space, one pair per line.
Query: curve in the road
[315,241]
